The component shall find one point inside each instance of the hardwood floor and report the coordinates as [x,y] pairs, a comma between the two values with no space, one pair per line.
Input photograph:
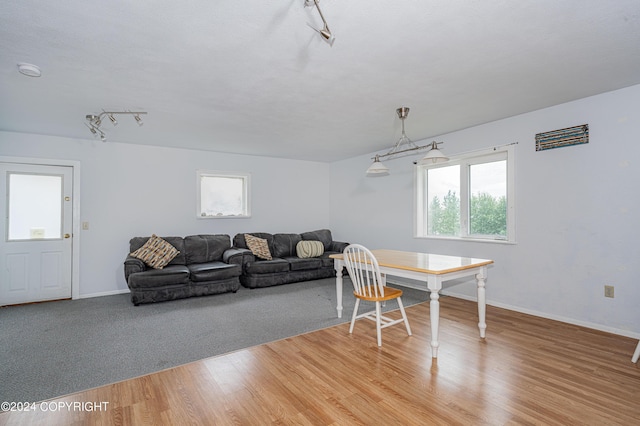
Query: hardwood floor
[528,371]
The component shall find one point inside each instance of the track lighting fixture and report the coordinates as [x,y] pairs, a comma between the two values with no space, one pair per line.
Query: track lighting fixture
[95,121]
[325,32]
[405,145]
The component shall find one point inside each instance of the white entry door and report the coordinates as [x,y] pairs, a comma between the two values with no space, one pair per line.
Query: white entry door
[36,240]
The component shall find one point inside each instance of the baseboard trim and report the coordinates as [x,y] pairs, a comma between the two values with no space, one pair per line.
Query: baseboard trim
[104,293]
[599,327]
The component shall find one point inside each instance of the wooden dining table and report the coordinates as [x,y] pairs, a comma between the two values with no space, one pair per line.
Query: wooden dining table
[430,270]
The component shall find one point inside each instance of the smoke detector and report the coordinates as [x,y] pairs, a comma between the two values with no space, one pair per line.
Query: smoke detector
[29,70]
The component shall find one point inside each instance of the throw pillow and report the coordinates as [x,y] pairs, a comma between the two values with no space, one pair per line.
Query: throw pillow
[306,249]
[156,252]
[258,247]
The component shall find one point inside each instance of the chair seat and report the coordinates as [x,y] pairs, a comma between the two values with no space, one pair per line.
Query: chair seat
[389,294]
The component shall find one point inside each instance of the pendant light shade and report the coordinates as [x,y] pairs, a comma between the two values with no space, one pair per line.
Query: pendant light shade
[377,168]
[434,155]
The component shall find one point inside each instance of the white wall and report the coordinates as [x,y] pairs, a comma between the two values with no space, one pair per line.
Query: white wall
[136,190]
[577,211]
[576,207]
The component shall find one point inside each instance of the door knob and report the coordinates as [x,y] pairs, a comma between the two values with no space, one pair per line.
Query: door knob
[67,235]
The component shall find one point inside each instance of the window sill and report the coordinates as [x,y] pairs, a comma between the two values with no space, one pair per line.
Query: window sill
[466,239]
[240,216]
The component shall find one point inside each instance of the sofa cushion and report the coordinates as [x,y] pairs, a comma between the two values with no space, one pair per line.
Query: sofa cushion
[285,244]
[156,252]
[298,264]
[178,242]
[267,266]
[205,248]
[258,246]
[323,235]
[151,278]
[306,249]
[213,271]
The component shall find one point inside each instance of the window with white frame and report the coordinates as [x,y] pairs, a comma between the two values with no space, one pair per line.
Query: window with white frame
[223,194]
[469,197]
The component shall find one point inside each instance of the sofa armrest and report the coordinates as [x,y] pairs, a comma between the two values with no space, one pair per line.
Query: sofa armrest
[133,265]
[238,256]
[338,246]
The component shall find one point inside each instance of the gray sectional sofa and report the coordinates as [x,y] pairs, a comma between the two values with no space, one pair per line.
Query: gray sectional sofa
[286,267]
[209,264]
[205,265]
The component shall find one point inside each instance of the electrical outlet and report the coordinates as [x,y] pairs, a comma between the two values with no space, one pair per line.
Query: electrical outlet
[608,291]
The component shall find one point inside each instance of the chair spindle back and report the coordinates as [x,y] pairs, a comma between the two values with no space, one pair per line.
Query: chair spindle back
[364,271]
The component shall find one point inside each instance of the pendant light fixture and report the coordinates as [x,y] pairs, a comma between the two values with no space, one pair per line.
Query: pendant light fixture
[405,145]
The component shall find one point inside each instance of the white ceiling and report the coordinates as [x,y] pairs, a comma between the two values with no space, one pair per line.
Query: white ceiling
[251,77]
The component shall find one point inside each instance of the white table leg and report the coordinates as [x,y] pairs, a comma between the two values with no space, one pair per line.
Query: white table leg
[338,265]
[636,354]
[482,302]
[434,309]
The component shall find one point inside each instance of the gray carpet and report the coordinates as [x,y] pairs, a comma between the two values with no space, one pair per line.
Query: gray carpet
[56,348]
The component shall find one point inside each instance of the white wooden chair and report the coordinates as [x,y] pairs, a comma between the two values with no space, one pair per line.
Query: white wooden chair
[369,285]
[636,354]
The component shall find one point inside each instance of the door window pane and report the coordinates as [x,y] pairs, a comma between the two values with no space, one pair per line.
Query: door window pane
[35,207]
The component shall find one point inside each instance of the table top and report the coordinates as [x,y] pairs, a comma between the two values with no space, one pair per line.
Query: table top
[423,262]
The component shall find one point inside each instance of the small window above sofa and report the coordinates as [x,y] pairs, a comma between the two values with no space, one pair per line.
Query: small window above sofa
[223,195]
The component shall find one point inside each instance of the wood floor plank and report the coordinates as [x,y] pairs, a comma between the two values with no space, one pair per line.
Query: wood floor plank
[528,370]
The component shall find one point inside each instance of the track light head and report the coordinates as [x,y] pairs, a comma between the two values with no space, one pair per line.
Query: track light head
[113,119]
[325,33]
[138,120]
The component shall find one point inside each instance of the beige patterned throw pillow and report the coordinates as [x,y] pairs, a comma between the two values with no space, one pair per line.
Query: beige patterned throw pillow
[258,247]
[156,252]
[306,249]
